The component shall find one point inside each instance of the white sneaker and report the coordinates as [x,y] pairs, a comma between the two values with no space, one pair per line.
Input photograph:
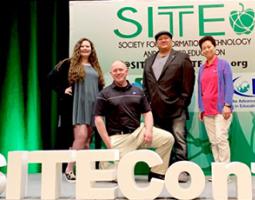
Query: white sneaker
[70,177]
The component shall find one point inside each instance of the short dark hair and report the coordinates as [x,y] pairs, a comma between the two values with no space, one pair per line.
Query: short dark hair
[206,38]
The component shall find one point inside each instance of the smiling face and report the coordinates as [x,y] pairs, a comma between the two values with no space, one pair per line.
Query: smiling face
[208,50]
[119,72]
[164,43]
[85,49]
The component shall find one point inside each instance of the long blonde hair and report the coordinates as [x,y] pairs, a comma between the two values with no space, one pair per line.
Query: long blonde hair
[76,70]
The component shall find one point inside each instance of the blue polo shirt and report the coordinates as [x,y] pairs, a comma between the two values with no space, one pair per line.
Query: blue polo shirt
[122,107]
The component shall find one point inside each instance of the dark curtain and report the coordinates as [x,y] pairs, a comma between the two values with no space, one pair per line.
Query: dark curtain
[34,37]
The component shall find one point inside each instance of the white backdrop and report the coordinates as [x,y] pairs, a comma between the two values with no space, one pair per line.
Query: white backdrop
[124,30]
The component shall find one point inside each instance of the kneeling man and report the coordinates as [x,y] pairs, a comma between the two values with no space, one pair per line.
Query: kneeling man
[117,117]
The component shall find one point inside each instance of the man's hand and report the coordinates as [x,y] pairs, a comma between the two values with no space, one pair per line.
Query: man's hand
[100,125]
[148,125]
[148,136]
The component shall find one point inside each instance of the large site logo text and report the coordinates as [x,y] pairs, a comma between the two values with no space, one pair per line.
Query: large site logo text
[242,22]
[87,175]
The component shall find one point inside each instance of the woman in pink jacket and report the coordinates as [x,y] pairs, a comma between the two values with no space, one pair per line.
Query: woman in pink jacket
[215,96]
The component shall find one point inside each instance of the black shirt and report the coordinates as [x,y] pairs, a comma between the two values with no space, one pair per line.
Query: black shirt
[122,107]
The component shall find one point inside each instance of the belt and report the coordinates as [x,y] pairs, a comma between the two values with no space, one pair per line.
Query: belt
[123,132]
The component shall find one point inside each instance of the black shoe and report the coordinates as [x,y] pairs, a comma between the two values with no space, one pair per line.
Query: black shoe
[183,177]
[155,175]
[114,181]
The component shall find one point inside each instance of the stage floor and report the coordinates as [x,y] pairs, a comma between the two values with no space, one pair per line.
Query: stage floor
[68,189]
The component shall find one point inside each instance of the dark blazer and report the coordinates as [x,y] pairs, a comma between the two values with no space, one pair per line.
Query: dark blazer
[58,77]
[171,94]
[58,81]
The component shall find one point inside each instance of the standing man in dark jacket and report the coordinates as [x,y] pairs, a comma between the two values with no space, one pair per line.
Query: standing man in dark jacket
[168,84]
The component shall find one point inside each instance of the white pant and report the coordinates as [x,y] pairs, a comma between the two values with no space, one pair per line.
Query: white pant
[217,130]
[162,141]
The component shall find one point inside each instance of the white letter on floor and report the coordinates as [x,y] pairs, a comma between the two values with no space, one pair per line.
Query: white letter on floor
[16,175]
[87,175]
[220,173]
[197,178]
[126,179]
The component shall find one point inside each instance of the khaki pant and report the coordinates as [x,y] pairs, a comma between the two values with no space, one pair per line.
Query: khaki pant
[162,141]
[217,130]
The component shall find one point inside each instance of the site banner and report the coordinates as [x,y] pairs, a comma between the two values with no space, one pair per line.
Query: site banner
[124,30]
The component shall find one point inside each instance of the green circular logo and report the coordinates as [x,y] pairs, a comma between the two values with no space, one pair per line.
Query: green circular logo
[242,22]
[243,87]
